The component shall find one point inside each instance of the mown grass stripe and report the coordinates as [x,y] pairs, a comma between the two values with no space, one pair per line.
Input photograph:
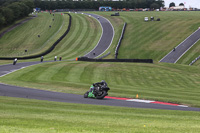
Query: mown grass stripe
[23,35]
[22,115]
[80,40]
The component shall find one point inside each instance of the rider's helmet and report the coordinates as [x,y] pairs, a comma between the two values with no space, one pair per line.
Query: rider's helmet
[104,83]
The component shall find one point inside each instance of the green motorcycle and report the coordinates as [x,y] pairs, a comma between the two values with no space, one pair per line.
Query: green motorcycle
[97,91]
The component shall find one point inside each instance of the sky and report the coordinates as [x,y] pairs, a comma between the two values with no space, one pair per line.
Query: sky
[191,3]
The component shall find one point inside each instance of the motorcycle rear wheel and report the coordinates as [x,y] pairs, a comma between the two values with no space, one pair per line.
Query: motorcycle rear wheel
[103,94]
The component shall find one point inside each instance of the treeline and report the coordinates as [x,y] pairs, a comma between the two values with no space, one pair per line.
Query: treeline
[12,10]
[69,4]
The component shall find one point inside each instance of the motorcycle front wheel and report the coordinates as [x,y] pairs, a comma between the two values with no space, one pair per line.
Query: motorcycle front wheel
[86,95]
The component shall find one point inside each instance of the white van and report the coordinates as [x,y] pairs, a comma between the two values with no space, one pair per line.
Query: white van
[146,19]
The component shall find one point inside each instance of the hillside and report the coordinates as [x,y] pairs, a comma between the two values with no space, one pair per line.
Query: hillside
[25,36]
[155,39]
[83,36]
[163,82]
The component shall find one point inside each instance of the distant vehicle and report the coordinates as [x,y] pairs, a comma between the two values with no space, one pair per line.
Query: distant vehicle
[105,8]
[116,14]
[146,19]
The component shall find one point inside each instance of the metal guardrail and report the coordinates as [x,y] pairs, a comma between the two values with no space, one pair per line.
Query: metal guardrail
[194,60]
[120,40]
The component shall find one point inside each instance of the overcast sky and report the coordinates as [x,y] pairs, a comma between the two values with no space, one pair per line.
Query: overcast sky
[191,3]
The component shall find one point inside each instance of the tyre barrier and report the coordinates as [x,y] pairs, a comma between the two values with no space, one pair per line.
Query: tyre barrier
[45,52]
[115,60]
[120,40]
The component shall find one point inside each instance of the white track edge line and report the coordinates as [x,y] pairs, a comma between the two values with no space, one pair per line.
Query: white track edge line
[102,34]
[187,50]
[179,44]
[11,71]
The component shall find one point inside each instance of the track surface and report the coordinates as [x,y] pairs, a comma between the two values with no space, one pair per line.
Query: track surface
[13,91]
[106,38]
[182,48]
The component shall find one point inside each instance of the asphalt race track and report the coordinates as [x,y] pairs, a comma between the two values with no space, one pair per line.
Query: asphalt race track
[182,48]
[9,68]
[22,92]
[13,91]
[106,37]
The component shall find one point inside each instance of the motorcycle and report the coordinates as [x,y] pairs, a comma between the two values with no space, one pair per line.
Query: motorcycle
[99,92]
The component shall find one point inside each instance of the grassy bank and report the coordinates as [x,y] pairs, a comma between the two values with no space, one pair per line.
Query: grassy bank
[163,82]
[142,39]
[154,39]
[84,35]
[22,116]
[193,53]
[25,36]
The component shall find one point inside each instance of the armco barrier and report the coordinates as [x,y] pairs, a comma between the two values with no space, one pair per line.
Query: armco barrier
[115,60]
[47,51]
[120,40]
[194,60]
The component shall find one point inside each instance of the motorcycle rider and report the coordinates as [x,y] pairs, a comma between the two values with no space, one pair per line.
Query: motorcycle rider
[102,83]
[97,90]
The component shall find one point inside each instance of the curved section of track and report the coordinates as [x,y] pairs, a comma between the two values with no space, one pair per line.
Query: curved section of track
[13,91]
[106,37]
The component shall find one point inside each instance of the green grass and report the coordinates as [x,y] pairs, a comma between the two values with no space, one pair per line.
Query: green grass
[159,81]
[142,40]
[22,115]
[163,82]
[82,38]
[25,36]
[3,62]
[154,39]
[193,53]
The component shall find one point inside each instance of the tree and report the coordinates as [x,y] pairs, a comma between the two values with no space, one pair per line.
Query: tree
[24,10]
[155,6]
[16,10]
[8,15]
[181,4]
[30,4]
[172,4]
[2,20]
